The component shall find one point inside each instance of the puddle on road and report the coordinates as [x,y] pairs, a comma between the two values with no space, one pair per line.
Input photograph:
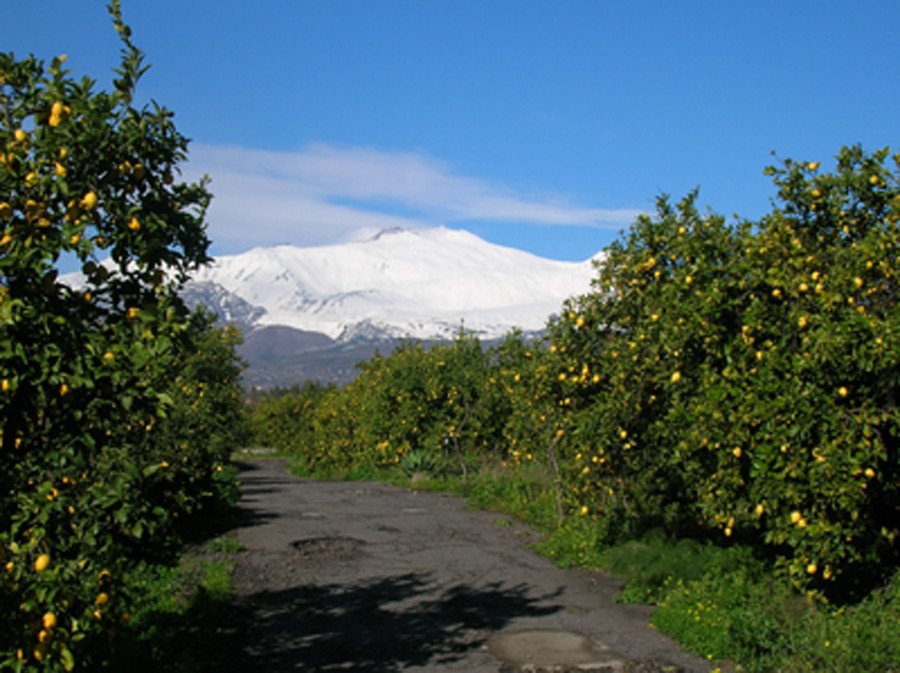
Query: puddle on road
[549,650]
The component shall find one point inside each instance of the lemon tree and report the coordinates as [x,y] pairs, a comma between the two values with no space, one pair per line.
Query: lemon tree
[746,375]
[114,422]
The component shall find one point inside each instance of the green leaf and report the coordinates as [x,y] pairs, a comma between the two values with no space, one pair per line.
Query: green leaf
[66,658]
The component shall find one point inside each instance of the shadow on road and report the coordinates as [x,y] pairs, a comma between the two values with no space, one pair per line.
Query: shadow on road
[374,626]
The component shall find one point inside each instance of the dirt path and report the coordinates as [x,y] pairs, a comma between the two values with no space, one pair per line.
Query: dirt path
[366,577]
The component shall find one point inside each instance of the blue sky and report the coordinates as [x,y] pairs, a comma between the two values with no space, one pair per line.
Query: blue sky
[538,124]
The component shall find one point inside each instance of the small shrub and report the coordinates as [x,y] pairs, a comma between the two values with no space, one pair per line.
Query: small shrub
[418,462]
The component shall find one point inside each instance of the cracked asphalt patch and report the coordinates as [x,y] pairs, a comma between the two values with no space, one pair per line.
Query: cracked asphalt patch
[359,576]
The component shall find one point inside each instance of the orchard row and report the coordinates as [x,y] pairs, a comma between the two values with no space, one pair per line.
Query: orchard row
[735,381]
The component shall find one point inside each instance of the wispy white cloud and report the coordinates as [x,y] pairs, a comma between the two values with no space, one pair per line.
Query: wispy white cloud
[324,194]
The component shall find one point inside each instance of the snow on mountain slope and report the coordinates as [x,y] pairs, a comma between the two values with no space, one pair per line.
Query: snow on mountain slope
[421,284]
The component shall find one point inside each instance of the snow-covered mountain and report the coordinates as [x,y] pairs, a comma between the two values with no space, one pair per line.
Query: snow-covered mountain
[422,284]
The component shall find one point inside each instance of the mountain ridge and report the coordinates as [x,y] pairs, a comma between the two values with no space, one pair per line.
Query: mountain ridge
[420,284]
[313,313]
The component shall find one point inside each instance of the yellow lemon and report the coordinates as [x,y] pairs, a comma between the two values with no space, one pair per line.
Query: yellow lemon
[676,377]
[796,516]
[812,165]
[102,599]
[134,225]
[41,562]
[89,201]
[49,620]
[812,568]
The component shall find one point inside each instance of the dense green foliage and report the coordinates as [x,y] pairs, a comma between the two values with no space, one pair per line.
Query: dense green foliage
[749,374]
[118,407]
[735,385]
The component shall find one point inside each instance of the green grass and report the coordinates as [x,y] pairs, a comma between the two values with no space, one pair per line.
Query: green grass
[225,544]
[758,622]
[725,604]
[176,611]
